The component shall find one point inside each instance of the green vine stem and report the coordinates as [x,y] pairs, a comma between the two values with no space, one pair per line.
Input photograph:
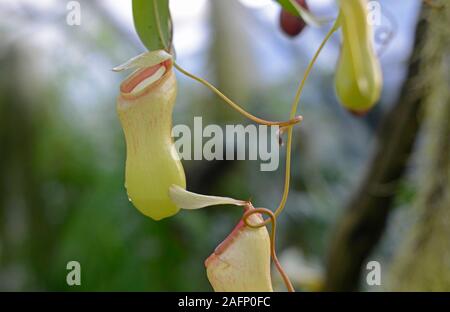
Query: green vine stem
[294,108]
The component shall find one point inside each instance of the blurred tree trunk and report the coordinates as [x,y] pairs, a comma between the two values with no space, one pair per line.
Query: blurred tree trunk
[364,220]
[424,262]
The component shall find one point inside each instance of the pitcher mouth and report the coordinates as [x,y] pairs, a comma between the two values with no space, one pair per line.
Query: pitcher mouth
[223,246]
[144,79]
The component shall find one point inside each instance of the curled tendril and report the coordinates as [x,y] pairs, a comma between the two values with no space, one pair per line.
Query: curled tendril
[273,253]
[235,106]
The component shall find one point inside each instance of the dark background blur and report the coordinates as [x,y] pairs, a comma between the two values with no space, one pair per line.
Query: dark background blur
[62,152]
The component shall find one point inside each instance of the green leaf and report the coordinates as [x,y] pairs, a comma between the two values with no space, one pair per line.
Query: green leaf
[297,10]
[145,22]
[287,5]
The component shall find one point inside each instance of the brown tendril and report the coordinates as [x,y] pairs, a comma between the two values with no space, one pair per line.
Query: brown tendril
[273,253]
